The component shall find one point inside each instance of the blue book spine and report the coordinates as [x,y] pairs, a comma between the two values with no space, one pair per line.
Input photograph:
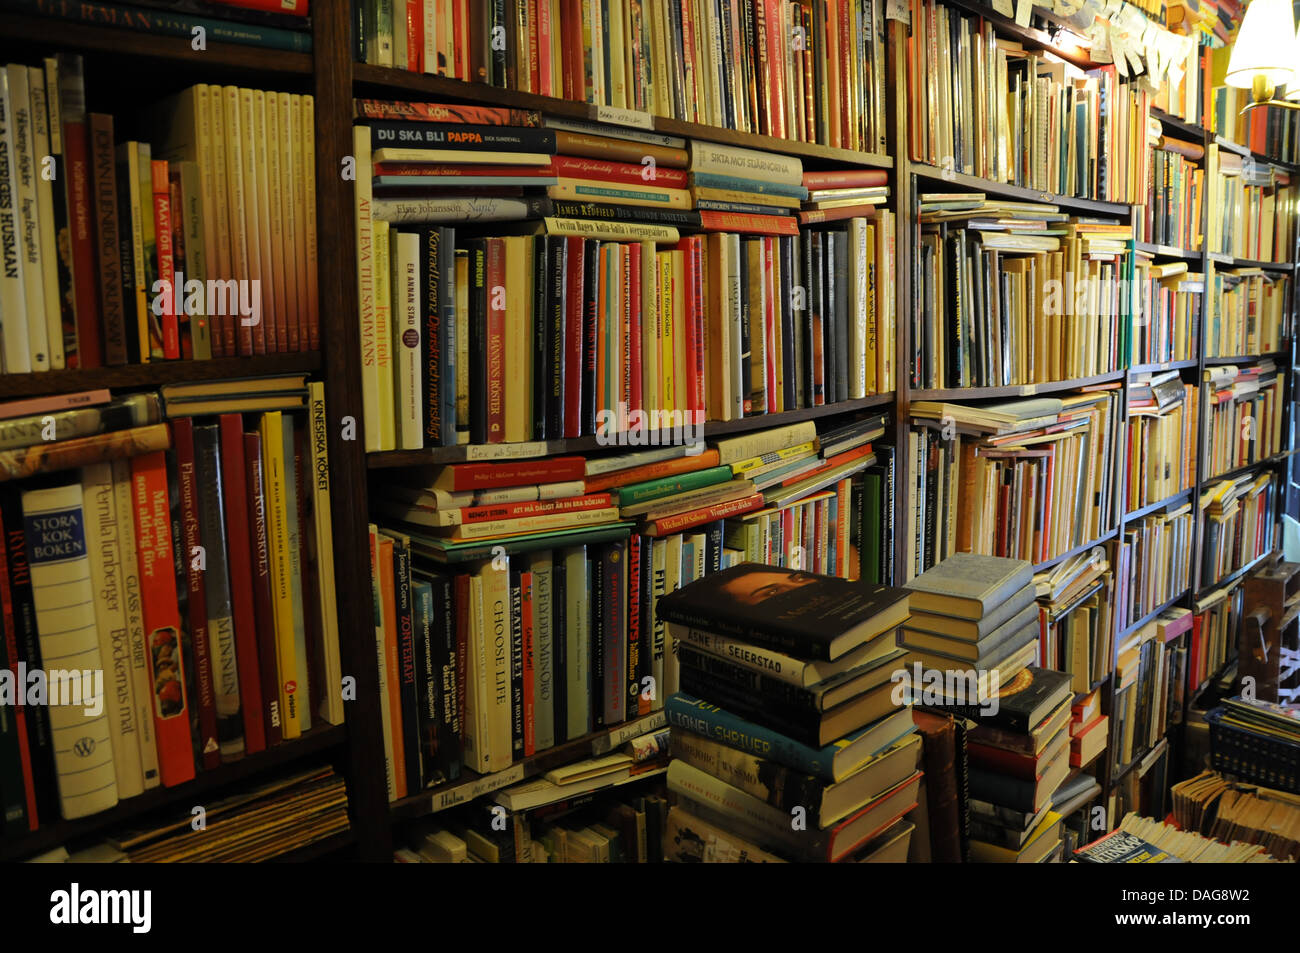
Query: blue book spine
[714,180]
[699,717]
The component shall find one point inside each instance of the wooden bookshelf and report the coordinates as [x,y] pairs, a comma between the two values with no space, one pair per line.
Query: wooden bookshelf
[1013,390]
[1151,616]
[155,374]
[933,175]
[1168,251]
[1176,500]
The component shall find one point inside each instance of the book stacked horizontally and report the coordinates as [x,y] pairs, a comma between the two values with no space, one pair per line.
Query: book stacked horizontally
[1019,755]
[789,734]
[832,196]
[975,614]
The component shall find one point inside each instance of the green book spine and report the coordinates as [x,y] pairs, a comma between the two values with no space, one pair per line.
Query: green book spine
[667,486]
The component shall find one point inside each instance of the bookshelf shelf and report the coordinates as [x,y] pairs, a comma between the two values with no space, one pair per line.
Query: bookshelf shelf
[1150,616]
[1168,251]
[1245,358]
[317,741]
[1185,129]
[474,785]
[1014,390]
[218,57]
[392,80]
[1161,368]
[1278,266]
[156,374]
[1233,576]
[1032,36]
[1071,553]
[1019,193]
[1177,499]
[1246,468]
[324,849]
[440,455]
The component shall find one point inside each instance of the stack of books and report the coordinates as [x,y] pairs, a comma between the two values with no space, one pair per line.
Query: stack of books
[1019,755]
[1089,729]
[793,737]
[1076,617]
[974,613]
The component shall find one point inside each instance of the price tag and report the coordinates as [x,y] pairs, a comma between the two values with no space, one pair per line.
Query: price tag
[624,117]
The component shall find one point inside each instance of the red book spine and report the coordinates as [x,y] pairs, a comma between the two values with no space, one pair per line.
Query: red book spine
[625,322]
[483,476]
[526,615]
[459,25]
[193,558]
[689,320]
[574,294]
[697,327]
[162,217]
[20,716]
[864,178]
[848,37]
[510,511]
[234,489]
[691,64]
[545,68]
[260,569]
[496,339]
[606,170]
[684,521]
[635,387]
[568,51]
[76,152]
[712,220]
[414,37]
[162,618]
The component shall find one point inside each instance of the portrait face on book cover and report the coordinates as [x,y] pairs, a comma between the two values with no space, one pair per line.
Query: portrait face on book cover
[760,584]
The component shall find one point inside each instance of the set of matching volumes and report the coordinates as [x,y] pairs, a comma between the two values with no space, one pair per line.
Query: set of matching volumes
[1149,673]
[787,708]
[1252,208]
[980,104]
[126,253]
[1249,313]
[215,643]
[973,613]
[605,315]
[1243,419]
[809,70]
[1028,479]
[1162,437]
[1076,617]
[1015,293]
[1237,524]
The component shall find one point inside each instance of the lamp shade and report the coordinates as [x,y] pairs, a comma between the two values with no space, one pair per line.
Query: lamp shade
[1265,46]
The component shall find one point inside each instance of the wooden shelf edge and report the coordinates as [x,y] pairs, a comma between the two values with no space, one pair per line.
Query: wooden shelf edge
[1245,359]
[1151,616]
[155,374]
[1232,577]
[1150,508]
[382,77]
[55,32]
[441,455]
[931,173]
[1168,251]
[1012,390]
[1071,553]
[1161,368]
[61,832]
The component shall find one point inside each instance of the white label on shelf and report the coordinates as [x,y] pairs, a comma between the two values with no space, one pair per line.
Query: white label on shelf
[461,793]
[624,733]
[508,451]
[624,117]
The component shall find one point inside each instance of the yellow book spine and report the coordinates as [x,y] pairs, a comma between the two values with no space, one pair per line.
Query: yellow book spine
[274,478]
[384,338]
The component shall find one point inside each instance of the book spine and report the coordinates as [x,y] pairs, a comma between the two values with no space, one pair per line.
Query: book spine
[406,671]
[613,566]
[15,341]
[598,612]
[496,339]
[331,709]
[299,599]
[163,636]
[263,598]
[107,231]
[18,810]
[169,23]
[447,302]
[527,625]
[516,665]
[693,715]
[194,558]
[275,486]
[434,338]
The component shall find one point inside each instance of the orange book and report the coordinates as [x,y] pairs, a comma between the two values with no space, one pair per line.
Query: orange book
[162,618]
[652,471]
[387,593]
[683,521]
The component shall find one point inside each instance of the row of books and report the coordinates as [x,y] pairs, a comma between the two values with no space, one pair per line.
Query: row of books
[1076,615]
[812,72]
[1213,642]
[1237,524]
[1027,479]
[1265,132]
[198,246]
[1172,213]
[1161,437]
[1155,557]
[565,559]
[1252,208]
[983,105]
[1167,319]
[1147,668]
[1016,293]
[1249,312]
[219,637]
[1244,416]
[1228,812]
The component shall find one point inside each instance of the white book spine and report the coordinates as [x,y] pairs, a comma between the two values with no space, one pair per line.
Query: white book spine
[133,609]
[430,12]
[236,187]
[543,651]
[103,526]
[28,220]
[13,298]
[45,218]
[407,344]
[249,145]
[577,637]
[64,595]
[366,288]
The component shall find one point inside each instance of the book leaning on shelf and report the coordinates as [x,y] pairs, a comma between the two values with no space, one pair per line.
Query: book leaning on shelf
[1237,518]
[564,559]
[819,736]
[618,304]
[197,649]
[804,71]
[199,245]
[1244,415]
[1076,613]
[1161,437]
